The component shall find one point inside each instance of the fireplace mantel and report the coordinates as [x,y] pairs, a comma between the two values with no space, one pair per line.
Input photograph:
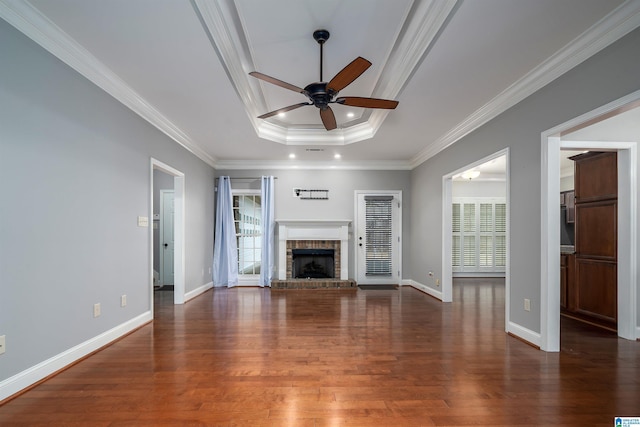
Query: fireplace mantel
[313,229]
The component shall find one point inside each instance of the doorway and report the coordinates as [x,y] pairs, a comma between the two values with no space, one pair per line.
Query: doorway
[448,226]
[176,182]
[553,141]
[165,243]
[378,227]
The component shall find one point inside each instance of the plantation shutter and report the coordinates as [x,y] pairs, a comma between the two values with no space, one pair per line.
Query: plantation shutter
[455,223]
[486,235]
[478,235]
[378,249]
[501,233]
[469,235]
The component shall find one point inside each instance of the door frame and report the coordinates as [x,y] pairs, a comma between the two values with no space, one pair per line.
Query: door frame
[447,226]
[178,231]
[397,194]
[163,194]
[550,223]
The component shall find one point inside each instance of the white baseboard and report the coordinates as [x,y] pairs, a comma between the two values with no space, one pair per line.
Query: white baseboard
[419,286]
[28,377]
[194,293]
[524,333]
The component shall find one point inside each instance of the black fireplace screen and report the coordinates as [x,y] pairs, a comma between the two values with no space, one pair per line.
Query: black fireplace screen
[312,263]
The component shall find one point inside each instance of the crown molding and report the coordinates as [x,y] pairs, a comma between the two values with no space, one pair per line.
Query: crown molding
[222,23]
[609,29]
[419,32]
[32,23]
[298,165]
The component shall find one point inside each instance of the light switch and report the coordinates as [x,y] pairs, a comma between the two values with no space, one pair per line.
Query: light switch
[143,221]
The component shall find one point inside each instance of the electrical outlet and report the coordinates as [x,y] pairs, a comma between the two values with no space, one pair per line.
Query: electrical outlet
[3,343]
[123,301]
[527,304]
[438,282]
[96,310]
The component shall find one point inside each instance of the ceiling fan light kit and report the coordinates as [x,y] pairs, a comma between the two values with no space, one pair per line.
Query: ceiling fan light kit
[321,93]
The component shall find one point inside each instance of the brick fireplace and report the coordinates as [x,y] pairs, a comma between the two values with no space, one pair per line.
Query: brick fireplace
[320,235]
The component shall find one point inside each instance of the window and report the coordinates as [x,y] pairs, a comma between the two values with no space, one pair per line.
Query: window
[479,235]
[247,214]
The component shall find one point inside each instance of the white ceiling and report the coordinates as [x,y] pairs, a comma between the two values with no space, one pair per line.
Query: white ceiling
[452,65]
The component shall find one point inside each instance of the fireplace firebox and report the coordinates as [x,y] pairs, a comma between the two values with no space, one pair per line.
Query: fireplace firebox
[312,263]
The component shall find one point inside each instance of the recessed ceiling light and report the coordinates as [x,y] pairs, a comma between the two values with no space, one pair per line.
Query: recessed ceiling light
[337,156]
[292,156]
[281,115]
[350,114]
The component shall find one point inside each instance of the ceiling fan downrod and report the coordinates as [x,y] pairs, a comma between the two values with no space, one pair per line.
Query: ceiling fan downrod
[321,36]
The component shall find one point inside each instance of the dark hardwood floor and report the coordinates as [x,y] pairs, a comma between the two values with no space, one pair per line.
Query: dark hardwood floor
[251,357]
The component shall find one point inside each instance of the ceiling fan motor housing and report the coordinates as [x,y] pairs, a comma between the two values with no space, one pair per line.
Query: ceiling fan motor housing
[321,36]
[318,94]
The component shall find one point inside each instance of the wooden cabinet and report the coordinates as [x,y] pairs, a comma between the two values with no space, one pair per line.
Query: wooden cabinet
[591,294]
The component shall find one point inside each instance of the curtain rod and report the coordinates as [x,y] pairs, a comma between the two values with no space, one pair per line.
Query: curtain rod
[247,177]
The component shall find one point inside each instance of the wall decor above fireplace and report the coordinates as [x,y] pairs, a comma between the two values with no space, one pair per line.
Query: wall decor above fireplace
[303,194]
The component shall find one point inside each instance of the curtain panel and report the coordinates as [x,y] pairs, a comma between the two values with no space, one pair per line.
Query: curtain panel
[225,250]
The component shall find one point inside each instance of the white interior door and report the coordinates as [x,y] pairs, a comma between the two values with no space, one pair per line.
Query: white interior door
[377,239]
[166,237]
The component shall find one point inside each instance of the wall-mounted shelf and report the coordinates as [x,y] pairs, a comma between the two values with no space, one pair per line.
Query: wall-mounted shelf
[303,194]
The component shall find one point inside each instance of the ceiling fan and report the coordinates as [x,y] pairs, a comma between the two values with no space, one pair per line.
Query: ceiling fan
[321,94]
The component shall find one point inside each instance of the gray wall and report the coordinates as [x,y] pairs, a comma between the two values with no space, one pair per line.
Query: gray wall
[75,165]
[607,76]
[341,185]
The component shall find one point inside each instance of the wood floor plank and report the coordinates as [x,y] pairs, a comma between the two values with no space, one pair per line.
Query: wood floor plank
[249,357]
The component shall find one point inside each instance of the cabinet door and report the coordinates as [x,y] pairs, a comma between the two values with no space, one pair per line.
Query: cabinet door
[596,230]
[596,290]
[596,176]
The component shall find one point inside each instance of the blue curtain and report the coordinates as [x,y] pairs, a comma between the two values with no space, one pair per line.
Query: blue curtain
[225,249]
[268,228]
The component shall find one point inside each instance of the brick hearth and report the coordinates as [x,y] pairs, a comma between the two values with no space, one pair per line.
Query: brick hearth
[280,285]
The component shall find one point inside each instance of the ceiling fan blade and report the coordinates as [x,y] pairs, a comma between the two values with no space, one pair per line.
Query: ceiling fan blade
[283,110]
[348,74]
[328,118]
[276,82]
[356,101]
